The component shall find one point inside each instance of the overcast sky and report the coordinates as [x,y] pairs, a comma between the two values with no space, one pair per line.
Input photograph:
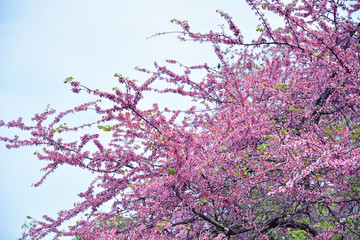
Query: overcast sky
[44,41]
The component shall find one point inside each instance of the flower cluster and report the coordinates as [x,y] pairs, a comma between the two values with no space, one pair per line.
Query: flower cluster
[270,148]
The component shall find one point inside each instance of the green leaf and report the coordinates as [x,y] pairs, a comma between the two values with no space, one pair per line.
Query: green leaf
[316,54]
[171,171]
[270,137]
[69,79]
[161,223]
[28,217]
[262,147]
[291,108]
[100,127]
[52,130]
[202,201]
[280,86]
[106,129]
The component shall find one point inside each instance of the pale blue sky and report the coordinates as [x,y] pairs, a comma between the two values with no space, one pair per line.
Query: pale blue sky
[44,41]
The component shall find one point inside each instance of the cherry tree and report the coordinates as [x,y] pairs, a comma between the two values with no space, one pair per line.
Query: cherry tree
[270,149]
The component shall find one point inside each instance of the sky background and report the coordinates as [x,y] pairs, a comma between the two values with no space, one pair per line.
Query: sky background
[44,41]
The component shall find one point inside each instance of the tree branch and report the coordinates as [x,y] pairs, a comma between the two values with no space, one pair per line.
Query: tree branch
[280,222]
